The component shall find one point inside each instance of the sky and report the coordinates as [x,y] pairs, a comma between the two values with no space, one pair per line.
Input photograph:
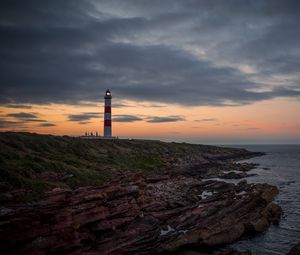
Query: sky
[202,71]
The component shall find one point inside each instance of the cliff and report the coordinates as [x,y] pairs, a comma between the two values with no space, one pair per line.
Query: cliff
[39,163]
[72,196]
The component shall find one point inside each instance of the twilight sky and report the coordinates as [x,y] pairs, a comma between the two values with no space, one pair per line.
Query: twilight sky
[208,71]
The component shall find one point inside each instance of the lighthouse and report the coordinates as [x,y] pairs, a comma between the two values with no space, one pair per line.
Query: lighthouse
[107,114]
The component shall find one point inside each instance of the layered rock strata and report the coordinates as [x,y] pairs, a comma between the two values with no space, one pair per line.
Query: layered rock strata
[145,217]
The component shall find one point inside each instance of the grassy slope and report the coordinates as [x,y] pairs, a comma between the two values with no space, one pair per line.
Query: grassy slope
[41,162]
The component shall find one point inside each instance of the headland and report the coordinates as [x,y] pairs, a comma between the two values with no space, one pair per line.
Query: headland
[69,195]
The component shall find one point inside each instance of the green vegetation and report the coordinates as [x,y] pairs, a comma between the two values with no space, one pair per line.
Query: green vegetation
[42,162]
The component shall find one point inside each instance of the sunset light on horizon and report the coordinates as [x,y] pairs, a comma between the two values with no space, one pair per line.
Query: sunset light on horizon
[254,123]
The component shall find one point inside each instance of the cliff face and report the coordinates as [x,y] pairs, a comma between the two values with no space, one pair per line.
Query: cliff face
[142,218]
[146,209]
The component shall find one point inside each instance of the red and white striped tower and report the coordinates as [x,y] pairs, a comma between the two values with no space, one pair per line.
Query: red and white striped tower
[107,115]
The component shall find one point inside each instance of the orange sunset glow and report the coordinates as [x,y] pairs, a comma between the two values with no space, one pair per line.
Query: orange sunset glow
[268,121]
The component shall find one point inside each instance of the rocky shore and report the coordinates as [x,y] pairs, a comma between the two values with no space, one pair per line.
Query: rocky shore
[182,209]
[295,250]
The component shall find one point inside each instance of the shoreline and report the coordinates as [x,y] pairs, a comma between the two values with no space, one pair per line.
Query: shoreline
[171,211]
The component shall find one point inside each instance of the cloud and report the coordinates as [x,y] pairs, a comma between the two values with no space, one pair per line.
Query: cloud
[10,124]
[83,116]
[126,118]
[83,122]
[121,105]
[22,106]
[150,119]
[164,52]
[165,119]
[33,120]
[206,120]
[47,125]
[22,115]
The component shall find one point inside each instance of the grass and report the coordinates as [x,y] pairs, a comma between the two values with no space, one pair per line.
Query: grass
[41,162]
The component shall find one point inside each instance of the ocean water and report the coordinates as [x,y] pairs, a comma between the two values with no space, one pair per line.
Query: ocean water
[279,167]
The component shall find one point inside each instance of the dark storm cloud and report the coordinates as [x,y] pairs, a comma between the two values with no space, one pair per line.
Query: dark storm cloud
[83,117]
[165,119]
[186,52]
[125,118]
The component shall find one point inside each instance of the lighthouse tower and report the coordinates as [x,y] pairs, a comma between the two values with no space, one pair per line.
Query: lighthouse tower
[107,115]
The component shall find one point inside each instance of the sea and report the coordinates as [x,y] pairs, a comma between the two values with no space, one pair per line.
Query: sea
[280,167]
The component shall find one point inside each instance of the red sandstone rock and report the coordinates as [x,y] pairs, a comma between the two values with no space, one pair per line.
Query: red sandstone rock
[138,219]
